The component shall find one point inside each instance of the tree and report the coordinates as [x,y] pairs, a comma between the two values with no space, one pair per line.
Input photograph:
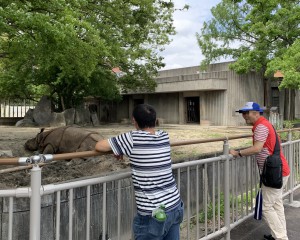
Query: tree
[252,32]
[288,64]
[68,48]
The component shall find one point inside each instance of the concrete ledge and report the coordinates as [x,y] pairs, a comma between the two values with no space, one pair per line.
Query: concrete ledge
[295,204]
[11,121]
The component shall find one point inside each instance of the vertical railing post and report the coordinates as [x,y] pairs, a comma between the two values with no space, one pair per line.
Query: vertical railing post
[10,218]
[104,206]
[188,208]
[291,165]
[226,190]
[35,203]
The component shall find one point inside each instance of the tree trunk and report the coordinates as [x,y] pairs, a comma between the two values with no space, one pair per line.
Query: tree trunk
[62,103]
[292,104]
[267,97]
[286,104]
[289,104]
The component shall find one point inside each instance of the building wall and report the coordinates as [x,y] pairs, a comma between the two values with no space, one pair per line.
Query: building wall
[217,67]
[241,89]
[221,92]
[218,107]
[123,109]
[212,107]
[166,105]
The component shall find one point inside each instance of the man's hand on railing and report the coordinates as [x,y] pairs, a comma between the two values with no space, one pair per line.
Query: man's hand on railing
[235,153]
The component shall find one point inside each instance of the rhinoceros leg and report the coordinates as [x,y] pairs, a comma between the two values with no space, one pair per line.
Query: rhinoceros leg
[49,149]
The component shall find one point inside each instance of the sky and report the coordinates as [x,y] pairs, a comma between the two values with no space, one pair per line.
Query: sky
[184,50]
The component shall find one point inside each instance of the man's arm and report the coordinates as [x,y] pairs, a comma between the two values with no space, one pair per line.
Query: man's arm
[103,146]
[256,148]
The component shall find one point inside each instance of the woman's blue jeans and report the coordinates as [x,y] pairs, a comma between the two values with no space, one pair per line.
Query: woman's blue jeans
[149,228]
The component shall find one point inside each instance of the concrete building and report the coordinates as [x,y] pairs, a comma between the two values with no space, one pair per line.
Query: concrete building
[187,95]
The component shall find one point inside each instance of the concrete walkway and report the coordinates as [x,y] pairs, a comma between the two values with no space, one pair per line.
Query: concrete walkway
[255,230]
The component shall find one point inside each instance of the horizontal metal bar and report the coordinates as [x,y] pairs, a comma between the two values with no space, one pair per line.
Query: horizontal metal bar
[218,233]
[48,189]
[18,192]
[200,162]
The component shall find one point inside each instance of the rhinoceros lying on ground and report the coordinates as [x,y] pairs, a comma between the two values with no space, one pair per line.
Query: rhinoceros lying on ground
[63,140]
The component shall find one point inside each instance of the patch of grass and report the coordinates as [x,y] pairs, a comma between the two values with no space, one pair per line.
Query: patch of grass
[215,135]
[290,125]
[183,156]
[246,143]
[233,199]
[210,211]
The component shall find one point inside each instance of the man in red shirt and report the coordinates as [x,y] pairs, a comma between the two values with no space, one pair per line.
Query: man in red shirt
[264,140]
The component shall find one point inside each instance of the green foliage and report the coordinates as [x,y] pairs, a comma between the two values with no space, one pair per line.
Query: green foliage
[295,121]
[289,66]
[68,48]
[253,33]
[289,125]
[233,200]
[210,211]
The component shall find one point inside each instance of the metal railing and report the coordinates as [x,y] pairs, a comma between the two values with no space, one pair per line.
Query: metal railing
[218,194]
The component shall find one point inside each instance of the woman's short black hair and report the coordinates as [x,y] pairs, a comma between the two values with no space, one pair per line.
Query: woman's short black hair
[144,115]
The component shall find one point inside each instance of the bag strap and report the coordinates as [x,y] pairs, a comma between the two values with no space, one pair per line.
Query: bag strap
[260,181]
[276,148]
[276,151]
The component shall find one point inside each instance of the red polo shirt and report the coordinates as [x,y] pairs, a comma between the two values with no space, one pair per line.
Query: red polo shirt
[263,131]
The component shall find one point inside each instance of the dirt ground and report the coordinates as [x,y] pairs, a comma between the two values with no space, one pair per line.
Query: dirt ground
[12,140]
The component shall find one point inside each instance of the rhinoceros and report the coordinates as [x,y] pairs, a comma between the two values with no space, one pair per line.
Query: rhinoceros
[63,140]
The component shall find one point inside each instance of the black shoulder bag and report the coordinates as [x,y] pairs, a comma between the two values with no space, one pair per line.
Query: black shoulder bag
[271,175]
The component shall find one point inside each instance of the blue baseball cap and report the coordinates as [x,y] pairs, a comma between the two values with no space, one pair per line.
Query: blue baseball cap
[250,106]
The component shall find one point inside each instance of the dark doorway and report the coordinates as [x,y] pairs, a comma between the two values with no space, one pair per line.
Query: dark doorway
[192,110]
[274,97]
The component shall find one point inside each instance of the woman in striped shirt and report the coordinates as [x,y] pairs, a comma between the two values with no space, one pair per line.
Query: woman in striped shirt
[149,153]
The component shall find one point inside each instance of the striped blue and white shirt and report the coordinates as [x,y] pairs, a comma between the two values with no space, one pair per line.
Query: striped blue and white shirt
[151,170]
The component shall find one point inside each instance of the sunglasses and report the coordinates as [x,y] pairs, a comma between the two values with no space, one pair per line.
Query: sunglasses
[246,112]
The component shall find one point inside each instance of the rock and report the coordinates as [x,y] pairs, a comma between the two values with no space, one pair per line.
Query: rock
[6,153]
[58,120]
[82,116]
[26,123]
[69,116]
[125,121]
[95,119]
[29,114]
[42,113]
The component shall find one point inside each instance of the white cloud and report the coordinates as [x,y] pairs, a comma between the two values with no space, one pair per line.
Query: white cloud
[184,51]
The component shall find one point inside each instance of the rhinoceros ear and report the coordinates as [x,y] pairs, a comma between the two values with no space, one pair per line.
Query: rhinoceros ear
[39,136]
